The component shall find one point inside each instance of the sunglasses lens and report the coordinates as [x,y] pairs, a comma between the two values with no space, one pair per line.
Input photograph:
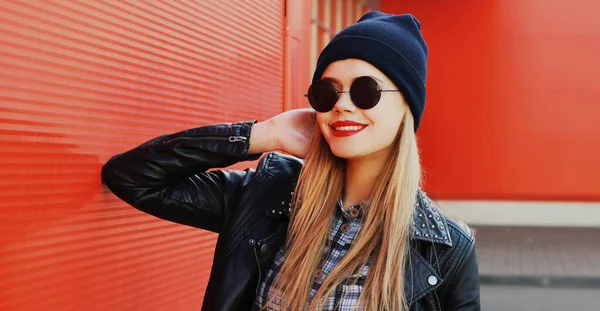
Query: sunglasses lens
[322,95]
[365,92]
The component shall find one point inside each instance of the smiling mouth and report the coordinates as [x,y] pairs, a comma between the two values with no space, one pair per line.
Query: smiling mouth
[349,128]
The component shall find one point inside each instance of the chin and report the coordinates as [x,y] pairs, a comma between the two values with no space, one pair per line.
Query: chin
[344,152]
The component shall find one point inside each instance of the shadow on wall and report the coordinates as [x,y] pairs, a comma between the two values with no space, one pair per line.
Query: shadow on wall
[43,179]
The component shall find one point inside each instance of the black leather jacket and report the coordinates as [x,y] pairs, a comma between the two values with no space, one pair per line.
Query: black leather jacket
[169,178]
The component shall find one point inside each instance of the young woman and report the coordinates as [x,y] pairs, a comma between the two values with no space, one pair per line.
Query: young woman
[348,227]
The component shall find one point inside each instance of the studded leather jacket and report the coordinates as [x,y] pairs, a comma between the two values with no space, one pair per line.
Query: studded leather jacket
[182,178]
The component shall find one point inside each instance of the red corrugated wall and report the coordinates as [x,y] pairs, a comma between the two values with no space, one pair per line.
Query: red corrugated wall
[83,80]
[512,109]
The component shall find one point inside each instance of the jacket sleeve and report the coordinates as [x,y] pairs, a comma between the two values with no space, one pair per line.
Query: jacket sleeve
[463,291]
[168,176]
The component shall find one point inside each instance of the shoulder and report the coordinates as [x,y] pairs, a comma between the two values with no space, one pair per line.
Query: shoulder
[462,235]
[280,165]
[459,231]
[275,181]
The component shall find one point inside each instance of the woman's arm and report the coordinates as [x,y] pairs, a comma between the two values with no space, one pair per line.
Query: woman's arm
[167,177]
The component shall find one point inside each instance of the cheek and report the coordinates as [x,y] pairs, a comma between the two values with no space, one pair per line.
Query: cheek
[388,119]
[323,121]
[387,124]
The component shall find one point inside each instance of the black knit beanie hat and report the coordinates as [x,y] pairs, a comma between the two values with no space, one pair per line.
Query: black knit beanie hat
[393,44]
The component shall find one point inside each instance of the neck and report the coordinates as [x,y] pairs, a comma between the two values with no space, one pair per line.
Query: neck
[361,176]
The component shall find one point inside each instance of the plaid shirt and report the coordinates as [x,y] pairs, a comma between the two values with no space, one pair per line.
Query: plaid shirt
[345,227]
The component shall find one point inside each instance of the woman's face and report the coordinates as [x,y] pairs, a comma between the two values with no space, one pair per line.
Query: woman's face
[371,131]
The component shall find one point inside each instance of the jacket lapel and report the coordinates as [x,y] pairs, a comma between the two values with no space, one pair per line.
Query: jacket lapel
[420,277]
[431,226]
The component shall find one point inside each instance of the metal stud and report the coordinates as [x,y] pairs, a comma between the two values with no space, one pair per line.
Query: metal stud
[432,280]
[422,225]
[426,235]
[280,212]
[430,216]
[420,214]
[441,227]
[437,218]
[446,238]
[432,226]
[416,233]
[435,236]
[282,202]
[273,211]
[252,242]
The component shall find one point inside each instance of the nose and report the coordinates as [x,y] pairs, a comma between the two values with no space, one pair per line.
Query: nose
[344,103]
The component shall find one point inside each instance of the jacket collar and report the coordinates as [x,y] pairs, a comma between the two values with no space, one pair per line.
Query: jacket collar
[428,223]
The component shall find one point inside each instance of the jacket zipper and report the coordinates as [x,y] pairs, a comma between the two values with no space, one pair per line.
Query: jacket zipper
[232,139]
[259,272]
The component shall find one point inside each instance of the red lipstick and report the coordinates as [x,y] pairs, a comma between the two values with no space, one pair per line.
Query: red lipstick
[346,128]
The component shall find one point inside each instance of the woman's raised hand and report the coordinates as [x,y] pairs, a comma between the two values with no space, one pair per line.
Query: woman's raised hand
[289,131]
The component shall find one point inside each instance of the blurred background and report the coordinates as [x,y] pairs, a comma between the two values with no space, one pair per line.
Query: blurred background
[510,138]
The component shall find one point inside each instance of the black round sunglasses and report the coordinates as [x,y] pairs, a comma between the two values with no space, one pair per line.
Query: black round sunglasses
[365,93]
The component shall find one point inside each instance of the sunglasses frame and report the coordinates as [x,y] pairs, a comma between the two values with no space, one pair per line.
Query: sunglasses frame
[338,92]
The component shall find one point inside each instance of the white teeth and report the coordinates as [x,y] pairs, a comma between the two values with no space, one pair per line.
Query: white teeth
[349,128]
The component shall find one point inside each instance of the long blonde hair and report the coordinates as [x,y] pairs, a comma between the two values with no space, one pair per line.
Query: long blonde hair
[384,235]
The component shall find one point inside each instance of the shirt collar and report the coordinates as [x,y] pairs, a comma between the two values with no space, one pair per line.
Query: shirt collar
[355,212]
